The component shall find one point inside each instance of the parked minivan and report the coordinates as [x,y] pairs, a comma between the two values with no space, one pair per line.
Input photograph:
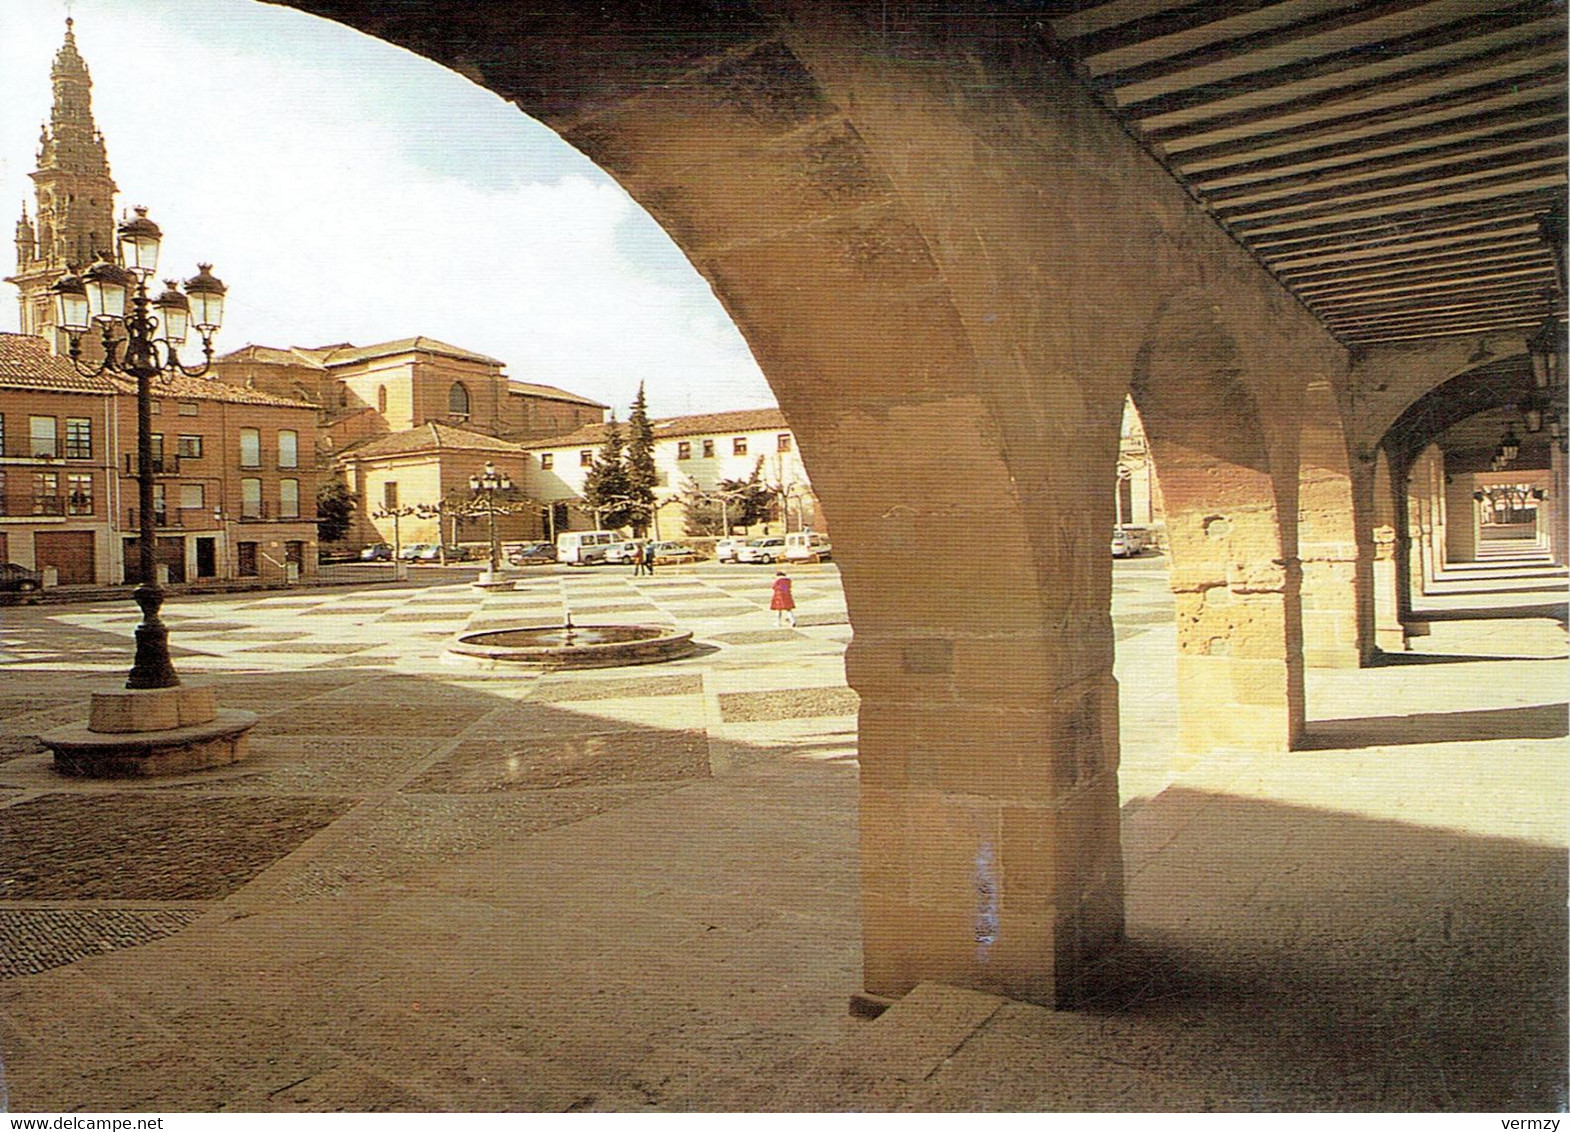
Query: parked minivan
[805,546]
[584,548]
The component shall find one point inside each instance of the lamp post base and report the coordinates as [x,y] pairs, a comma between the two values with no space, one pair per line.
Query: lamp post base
[145,732]
[152,668]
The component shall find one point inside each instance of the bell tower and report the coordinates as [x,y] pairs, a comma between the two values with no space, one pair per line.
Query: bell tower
[73,213]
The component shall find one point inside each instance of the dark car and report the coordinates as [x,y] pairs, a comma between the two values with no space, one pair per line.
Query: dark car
[19,578]
[377,552]
[532,553]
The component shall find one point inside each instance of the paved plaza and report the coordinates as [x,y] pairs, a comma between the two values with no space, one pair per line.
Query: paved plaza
[438,884]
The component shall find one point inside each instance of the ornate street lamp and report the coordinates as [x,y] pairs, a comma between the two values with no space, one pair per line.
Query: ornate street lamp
[141,338]
[484,485]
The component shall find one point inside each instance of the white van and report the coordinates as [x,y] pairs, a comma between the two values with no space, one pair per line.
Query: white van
[584,548]
[805,546]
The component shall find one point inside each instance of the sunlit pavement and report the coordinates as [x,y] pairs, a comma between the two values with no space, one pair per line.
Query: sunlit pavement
[437,885]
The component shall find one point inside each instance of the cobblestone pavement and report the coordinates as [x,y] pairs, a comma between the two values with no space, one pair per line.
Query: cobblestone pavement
[440,883]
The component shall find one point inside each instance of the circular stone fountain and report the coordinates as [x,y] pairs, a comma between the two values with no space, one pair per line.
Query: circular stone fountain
[578,646]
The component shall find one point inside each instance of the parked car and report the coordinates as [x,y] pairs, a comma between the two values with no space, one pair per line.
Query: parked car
[532,553]
[725,550]
[674,552]
[768,549]
[429,552]
[806,546]
[19,578]
[1127,541]
[413,551]
[621,552]
[376,552]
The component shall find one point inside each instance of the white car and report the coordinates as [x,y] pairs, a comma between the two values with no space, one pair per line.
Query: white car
[621,552]
[666,552]
[725,550]
[1127,542]
[769,549]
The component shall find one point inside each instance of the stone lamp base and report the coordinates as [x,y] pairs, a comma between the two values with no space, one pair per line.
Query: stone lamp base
[137,732]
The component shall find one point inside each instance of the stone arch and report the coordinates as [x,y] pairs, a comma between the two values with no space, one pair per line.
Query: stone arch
[943,254]
[1231,528]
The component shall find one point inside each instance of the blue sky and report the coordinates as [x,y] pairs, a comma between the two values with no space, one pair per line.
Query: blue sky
[346,190]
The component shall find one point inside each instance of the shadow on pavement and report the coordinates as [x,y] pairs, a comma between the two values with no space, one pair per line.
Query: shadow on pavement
[1543,721]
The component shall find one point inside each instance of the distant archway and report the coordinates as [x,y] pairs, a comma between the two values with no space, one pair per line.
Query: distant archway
[1233,542]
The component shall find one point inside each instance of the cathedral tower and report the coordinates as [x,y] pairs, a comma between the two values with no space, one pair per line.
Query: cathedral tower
[73,214]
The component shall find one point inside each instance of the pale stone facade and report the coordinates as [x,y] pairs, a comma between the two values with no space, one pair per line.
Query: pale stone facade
[698,450]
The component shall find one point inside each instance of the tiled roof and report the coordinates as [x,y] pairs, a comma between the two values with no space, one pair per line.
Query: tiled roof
[27,363]
[345,355]
[211,389]
[550,392]
[431,437]
[274,355]
[698,424]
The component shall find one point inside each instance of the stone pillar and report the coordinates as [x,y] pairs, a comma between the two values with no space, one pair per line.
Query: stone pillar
[1336,562]
[1240,672]
[1461,520]
[988,729]
[1389,630]
[1236,578]
[1556,505]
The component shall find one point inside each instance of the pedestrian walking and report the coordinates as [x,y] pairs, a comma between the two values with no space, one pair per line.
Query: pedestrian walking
[648,559]
[783,604]
[637,559]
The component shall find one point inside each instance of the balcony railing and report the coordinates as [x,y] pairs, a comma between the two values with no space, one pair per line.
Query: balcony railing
[162,465]
[163,518]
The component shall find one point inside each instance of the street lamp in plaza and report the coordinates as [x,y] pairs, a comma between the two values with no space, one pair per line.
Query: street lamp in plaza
[140,338]
[483,486]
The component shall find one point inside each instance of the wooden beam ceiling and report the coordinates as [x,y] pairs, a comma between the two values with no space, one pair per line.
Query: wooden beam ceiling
[1388,161]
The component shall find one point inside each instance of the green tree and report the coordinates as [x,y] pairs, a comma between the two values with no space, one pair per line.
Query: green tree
[605,488]
[747,502]
[703,513]
[334,510]
[640,474]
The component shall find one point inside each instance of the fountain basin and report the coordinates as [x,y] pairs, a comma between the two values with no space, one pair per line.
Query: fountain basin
[578,646]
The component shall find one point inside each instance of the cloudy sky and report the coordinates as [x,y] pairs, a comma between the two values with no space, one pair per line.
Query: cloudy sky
[346,190]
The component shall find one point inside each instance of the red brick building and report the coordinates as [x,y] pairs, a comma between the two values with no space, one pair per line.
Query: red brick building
[236,487]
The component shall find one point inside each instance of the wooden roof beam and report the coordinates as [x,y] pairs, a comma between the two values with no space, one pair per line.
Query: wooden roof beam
[1330,219]
[1370,170]
[1547,113]
[1506,170]
[1361,69]
[1412,90]
[1268,48]
[1194,156]
[1326,280]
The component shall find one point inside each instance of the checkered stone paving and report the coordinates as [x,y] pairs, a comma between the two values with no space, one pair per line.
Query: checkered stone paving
[788,703]
[561,691]
[610,759]
[150,846]
[37,939]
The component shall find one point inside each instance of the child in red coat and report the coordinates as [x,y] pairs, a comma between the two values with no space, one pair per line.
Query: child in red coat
[782,603]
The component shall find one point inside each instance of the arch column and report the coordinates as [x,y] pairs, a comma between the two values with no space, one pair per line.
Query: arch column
[1335,548]
[1389,629]
[1236,578]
